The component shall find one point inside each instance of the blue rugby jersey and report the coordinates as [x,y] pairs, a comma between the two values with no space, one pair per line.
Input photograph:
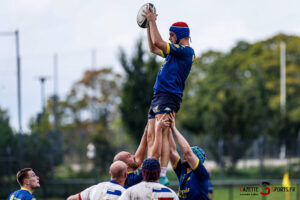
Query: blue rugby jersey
[134,178]
[192,185]
[22,194]
[171,77]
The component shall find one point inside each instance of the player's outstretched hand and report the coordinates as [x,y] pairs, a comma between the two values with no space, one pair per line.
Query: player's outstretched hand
[172,119]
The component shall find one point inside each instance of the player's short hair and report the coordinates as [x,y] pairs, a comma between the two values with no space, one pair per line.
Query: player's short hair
[150,169]
[22,174]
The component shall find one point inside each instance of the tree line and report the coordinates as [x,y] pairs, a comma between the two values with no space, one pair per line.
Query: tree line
[233,97]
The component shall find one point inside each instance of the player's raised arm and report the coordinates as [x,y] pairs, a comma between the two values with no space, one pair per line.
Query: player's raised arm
[174,155]
[141,150]
[183,144]
[152,47]
[154,33]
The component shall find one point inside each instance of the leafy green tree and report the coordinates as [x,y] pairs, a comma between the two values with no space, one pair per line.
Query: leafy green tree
[235,96]
[88,114]
[6,132]
[8,143]
[137,90]
[38,154]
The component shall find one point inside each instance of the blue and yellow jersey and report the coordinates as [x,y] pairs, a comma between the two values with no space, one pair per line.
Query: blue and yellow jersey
[192,185]
[134,178]
[22,194]
[171,77]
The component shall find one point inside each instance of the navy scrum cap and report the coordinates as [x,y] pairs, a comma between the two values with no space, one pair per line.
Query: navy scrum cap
[150,169]
[151,164]
[181,30]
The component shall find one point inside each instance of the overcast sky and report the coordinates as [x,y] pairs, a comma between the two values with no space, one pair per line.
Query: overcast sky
[73,28]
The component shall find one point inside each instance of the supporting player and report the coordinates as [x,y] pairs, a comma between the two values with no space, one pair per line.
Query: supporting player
[149,188]
[28,182]
[134,161]
[170,81]
[192,175]
[111,190]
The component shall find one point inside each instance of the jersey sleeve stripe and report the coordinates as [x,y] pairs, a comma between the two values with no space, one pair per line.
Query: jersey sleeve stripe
[162,53]
[196,165]
[176,163]
[79,195]
[168,48]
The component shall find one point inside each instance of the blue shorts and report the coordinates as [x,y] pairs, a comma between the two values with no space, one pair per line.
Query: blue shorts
[163,103]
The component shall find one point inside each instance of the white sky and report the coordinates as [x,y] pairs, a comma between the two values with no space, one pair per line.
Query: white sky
[73,28]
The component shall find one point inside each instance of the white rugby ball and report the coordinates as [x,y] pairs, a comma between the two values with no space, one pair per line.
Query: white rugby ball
[141,20]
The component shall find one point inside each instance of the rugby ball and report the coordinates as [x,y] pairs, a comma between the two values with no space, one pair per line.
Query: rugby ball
[141,20]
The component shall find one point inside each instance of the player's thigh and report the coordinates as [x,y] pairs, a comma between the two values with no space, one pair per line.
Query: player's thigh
[151,132]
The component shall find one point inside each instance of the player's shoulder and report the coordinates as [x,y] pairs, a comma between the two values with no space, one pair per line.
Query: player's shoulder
[137,171]
[22,195]
[189,48]
[109,184]
[181,46]
[140,184]
[116,186]
[167,188]
[186,49]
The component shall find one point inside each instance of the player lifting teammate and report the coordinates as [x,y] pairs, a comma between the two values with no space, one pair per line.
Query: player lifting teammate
[134,161]
[193,176]
[170,81]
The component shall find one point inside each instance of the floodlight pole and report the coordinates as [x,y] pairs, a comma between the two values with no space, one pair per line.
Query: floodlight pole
[19,80]
[42,80]
[55,96]
[20,131]
[20,143]
[282,79]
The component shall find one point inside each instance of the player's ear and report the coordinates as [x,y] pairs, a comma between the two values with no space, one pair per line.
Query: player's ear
[26,181]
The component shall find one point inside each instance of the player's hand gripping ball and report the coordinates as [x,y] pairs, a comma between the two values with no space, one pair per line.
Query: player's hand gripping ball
[141,20]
